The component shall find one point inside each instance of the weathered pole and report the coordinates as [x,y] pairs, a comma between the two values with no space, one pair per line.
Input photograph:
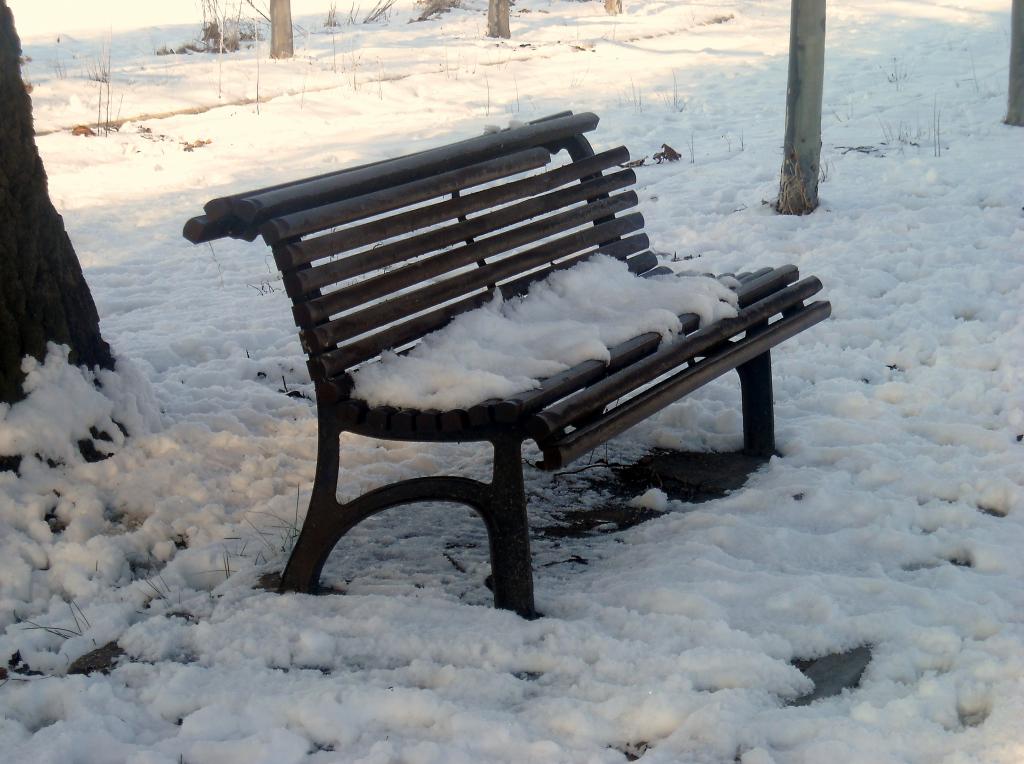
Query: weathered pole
[497,19]
[1015,100]
[798,187]
[281,45]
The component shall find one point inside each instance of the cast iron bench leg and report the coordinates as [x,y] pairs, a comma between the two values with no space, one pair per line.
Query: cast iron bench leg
[508,531]
[502,505]
[758,406]
[316,540]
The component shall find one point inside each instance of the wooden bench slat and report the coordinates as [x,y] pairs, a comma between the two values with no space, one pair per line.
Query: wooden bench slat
[403,421]
[315,219]
[520,285]
[379,417]
[303,281]
[353,324]
[428,421]
[766,281]
[642,263]
[350,413]
[218,220]
[219,208]
[202,228]
[564,450]
[482,414]
[599,394]
[454,420]
[311,249]
[261,206]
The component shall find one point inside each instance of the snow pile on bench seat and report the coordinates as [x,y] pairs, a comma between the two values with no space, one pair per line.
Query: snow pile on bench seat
[507,347]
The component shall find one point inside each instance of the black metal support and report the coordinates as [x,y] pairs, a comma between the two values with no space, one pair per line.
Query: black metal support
[758,405]
[502,505]
[302,573]
[509,532]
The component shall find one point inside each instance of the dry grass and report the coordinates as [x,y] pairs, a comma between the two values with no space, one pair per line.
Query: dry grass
[432,8]
[381,11]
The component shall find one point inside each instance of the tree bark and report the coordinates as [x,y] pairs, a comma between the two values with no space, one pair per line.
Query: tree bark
[281,45]
[798,188]
[497,19]
[43,294]
[1015,101]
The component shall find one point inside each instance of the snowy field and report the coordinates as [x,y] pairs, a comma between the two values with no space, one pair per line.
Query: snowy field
[894,519]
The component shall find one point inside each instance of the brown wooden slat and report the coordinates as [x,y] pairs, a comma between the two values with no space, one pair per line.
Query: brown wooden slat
[350,413]
[596,396]
[299,253]
[428,421]
[202,229]
[221,207]
[564,450]
[454,420]
[379,417]
[403,422]
[617,249]
[482,414]
[769,280]
[358,322]
[305,280]
[642,262]
[258,207]
[313,219]
[761,272]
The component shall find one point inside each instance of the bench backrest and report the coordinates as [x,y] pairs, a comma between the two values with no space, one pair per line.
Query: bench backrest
[377,256]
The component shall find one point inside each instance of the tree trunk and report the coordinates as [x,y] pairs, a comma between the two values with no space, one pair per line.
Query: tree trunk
[497,19]
[43,295]
[613,7]
[1015,107]
[798,188]
[281,45]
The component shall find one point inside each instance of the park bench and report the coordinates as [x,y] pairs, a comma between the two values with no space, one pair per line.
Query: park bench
[377,256]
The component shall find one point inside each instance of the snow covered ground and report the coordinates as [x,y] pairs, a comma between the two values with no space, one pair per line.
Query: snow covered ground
[895,518]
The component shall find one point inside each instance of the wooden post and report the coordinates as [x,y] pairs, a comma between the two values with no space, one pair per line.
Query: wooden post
[281,45]
[798,188]
[497,19]
[1015,105]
